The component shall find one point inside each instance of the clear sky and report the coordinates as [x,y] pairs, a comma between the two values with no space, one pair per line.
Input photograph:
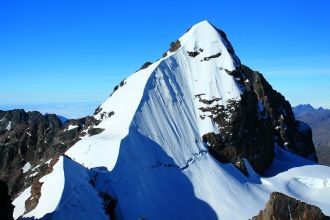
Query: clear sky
[65,52]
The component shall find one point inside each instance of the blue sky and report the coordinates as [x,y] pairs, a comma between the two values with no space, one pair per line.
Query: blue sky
[65,52]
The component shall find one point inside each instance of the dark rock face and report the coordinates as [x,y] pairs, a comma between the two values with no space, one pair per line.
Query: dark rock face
[6,208]
[249,128]
[33,200]
[287,129]
[195,52]
[121,84]
[243,134]
[145,65]
[174,46]
[30,139]
[95,131]
[211,57]
[281,207]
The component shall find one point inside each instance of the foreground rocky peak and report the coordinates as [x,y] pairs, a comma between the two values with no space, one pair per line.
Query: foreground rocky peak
[281,206]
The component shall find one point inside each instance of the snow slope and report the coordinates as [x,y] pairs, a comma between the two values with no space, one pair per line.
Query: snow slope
[65,194]
[158,166]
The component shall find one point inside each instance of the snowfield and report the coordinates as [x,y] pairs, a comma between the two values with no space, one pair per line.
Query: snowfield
[72,127]
[153,160]
[316,183]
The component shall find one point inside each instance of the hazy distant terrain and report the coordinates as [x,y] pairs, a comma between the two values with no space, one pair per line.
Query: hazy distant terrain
[319,120]
[72,110]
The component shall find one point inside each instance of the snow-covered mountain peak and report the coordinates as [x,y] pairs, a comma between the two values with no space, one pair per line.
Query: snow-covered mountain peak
[174,140]
[172,91]
[207,40]
[202,32]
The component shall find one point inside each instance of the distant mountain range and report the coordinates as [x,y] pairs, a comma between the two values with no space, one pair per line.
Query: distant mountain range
[319,120]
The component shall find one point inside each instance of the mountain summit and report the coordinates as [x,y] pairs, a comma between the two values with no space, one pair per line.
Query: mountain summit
[195,134]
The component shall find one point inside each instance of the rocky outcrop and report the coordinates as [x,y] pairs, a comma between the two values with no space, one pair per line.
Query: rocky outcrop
[145,65]
[250,127]
[121,84]
[211,57]
[195,52]
[243,134]
[287,129]
[282,207]
[174,46]
[6,208]
[33,200]
[29,139]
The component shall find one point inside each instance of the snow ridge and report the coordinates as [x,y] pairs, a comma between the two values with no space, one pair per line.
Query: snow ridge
[150,156]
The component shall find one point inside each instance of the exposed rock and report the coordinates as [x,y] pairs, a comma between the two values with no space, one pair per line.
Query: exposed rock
[211,57]
[32,201]
[174,46]
[164,54]
[98,110]
[122,83]
[242,134]
[281,207]
[195,53]
[106,115]
[95,131]
[32,140]
[249,127]
[280,112]
[6,208]
[241,166]
[145,65]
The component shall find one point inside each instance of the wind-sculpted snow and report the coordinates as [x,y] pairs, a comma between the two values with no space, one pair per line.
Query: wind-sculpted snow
[151,159]
[65,194]
[316,183]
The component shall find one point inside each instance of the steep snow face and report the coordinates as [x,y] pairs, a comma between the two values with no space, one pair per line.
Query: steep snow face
[208,41]
[154,135]
[158,166]
[102,149]
[52,187]
[165,92]
[19,203]
[65,194]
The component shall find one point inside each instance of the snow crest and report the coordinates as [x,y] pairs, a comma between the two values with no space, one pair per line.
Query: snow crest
[157,165]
